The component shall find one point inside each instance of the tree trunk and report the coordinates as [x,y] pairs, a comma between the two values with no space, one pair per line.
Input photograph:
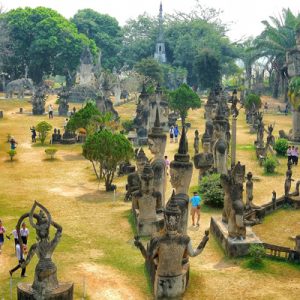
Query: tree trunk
[95,170]
[276,85]
[248,76]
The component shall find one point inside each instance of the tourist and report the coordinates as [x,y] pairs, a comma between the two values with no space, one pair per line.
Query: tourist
[20,257]
[171,132]
[296,155]
[33,134]
[15,234]
[195,210]
[13,143]
[266,107]
[289,154]
[293,155]
[24,232]
[50,111]
[176,133]
[2,231]
[167,164]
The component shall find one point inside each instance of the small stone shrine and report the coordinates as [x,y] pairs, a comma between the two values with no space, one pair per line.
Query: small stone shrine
[38,101]
[167,256]
[147,206]
[157,144]
[45,285]
[56,137]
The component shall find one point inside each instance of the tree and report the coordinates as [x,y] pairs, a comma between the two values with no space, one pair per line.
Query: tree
[104,30]
[183,99]
[106,150]
[43,128]
[149,67]
[44,41]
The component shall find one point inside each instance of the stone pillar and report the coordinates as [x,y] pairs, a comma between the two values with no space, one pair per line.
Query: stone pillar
[296,126]
[1,114]
[233,141]
[297,243]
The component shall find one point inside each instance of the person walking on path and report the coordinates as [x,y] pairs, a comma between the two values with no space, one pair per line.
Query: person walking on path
[289,154]
[171,132]
[167,164]
[50,111]
[176,133]
[20,257]
[293,155]
[33,134]
[195,209]
[24,232]
[2,231]
[13,143]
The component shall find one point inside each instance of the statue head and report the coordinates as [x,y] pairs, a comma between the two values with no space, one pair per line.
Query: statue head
[172,216]
[238,173]
[206,147]
[141,160]
[196,133]
[181,168]
[249,176]
[147,179]
[157,139]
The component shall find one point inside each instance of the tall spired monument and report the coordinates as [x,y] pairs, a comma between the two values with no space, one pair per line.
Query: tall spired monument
[160,50]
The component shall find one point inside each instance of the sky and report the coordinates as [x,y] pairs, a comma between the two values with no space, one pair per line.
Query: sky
[244,16]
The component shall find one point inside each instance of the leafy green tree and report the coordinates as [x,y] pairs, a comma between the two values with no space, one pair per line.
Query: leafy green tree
[183,99]
[149,67]
[106,150]
[104,30]
[51,152]
[281,146]
[44,41]
[252,99]
[43,128]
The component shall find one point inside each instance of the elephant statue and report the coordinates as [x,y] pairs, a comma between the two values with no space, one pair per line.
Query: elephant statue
[19,86]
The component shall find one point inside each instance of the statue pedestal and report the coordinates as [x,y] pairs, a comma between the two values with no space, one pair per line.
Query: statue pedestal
[63,292]
[296,126]
[232,248]
[147,228]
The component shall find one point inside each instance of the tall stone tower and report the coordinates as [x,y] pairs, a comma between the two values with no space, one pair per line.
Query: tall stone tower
[160,50]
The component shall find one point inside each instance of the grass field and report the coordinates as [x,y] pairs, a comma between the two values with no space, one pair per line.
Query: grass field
[97,252]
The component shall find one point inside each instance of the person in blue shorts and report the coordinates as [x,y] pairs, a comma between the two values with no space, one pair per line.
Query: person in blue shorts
[195,209]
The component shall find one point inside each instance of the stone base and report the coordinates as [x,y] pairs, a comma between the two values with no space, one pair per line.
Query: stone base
[68,141]
[231,247]
[147,228]
[63,292]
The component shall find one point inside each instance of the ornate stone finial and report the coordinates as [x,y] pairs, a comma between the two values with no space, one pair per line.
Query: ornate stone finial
[144,91]
[157,130]
[157,121]
[141,155]
[172,207]
[147,172]
[182,154]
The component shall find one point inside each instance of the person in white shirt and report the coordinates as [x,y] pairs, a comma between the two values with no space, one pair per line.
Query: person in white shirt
[50,110]
[20,257]
[24,232]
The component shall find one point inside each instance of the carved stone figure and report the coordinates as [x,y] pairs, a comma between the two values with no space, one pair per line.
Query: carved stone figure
[146,205]
[19,86]
[38,101]
[105,105]
[196,142]
[167,256]
[260,130]
[249,191]
[133,179]
[288,182]
[85,74]
[56,137]
[204,161]
[270,138]
[181,170]
[157,145]
[45,284]
[63,99]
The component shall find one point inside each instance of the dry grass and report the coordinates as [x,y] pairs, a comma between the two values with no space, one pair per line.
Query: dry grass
[97,244]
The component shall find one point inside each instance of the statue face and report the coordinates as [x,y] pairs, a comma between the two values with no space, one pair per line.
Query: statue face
[140,165]
[175,178]
[146,185]
[43,231]
[154,146]
[172,222]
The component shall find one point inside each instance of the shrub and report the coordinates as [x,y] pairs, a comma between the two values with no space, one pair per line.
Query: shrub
[43,129]
[12,153]
[211,190]
[281,146]
[270,165]
[252,99]
[51,152]
[128,125]
[257,252]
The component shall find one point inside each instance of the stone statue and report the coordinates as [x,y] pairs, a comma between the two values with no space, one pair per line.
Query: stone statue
[181,170]
[63,99]
[19,86]
[204,161]
[45,284]
[157,145]
[133,179]
[260,130]
[249,191]
[288,181]
[270,138]
[146,205]
[167,256]
[196,142]
[38,101]
[56,137]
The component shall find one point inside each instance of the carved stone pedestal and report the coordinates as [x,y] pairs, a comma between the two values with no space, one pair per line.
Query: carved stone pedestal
[63,292]
[147,228]
[232,248]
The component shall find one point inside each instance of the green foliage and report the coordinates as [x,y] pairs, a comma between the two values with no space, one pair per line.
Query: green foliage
[43,128]
[183,99]
[294,92]
[257,253]
[83,117]
[281,146]
[149,67]
[270,165]
[51,152]
[252,99]
[211,190]
[127,125]
[11,154]
[107,149]
[104,30]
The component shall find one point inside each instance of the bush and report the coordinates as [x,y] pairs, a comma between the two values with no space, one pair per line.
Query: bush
[211,190]
[281,146]
[12,153]
[127,125]
[270,165]
[257,252]
[252,99]
[43,129]
[51,152]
